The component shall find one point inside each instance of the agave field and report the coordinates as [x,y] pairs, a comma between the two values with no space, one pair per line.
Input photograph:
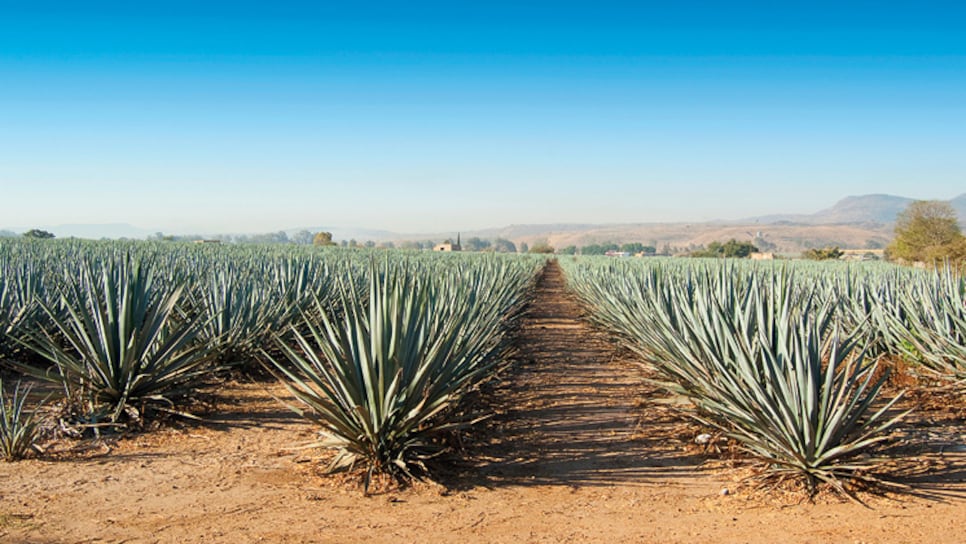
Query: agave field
[376,348]
[379,348]
[789,360]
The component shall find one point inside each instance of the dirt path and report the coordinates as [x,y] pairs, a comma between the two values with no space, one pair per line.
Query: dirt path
[571,409]
[580,451]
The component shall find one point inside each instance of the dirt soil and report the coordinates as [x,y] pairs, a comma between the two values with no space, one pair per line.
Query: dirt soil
[581,449]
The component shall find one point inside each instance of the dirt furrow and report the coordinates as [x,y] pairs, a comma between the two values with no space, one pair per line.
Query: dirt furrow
[569,410]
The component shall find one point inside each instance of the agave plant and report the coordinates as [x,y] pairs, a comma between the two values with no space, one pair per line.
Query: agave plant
[797,395]
[238,312]
[762,359]
[21,284]
[379,379]
[116,341]
[932,329]
[18,427]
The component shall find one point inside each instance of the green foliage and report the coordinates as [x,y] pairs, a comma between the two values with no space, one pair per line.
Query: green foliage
[238,313]
[38,234]
[475,244]
[542,248]
[116,340]
[759,354]
[502,245]
[381,379]
[824,254]
[928,323]
[322,239]
[636,247]
[21,285]
[926,231]
[598,249]
[730,249]
[18,428]
[952,254]
[569,250]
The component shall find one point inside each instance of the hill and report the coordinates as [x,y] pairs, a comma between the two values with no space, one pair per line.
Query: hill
[855,222]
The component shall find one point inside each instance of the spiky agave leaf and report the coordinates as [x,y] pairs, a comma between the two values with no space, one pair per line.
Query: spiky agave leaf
[18,426]
[761,357]
[378,379]
[932,327]
[115,339]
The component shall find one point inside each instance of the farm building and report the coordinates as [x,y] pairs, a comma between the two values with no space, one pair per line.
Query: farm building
[449,245]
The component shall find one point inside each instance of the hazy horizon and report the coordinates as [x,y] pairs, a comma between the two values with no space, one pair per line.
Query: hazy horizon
[431,117]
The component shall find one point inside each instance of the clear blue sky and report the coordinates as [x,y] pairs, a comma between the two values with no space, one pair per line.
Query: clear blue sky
[429,116]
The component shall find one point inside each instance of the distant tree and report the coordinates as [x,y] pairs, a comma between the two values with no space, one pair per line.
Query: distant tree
[386,245]
[38,234]
[734,248]
[541,247]
[303,238]
[279,237]
[599,249]
[632,247]
[824,254]
[923,230]
[954,253]
[569,250]
[162,237]
[502,245]
[636,247]
[524,248]
[475,244]
[713,250]
[322,239]
[370,244]
[730,249]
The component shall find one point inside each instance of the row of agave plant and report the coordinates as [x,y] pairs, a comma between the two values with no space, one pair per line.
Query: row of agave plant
[376,349]
[786,358]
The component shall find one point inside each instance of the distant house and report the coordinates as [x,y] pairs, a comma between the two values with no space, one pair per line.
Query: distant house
[449,245]
[762,256]
[207,241]
[613,253]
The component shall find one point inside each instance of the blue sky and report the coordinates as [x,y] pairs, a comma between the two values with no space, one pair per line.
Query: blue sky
[425,117]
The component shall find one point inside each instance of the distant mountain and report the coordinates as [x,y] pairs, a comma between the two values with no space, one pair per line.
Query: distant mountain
[881,209]
[877,209]
[857,222]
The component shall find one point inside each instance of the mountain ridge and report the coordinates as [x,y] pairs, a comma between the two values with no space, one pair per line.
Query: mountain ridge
[858,221]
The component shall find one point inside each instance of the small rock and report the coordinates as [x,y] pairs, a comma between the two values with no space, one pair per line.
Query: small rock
[724,492]
[703,438]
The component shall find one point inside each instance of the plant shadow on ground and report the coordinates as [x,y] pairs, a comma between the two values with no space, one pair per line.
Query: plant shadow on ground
[928,453]
[567,411]
[576,410]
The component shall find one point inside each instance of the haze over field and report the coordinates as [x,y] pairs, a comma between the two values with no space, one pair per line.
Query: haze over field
[434,117]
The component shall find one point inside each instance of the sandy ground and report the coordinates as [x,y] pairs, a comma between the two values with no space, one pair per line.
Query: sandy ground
[581,449]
